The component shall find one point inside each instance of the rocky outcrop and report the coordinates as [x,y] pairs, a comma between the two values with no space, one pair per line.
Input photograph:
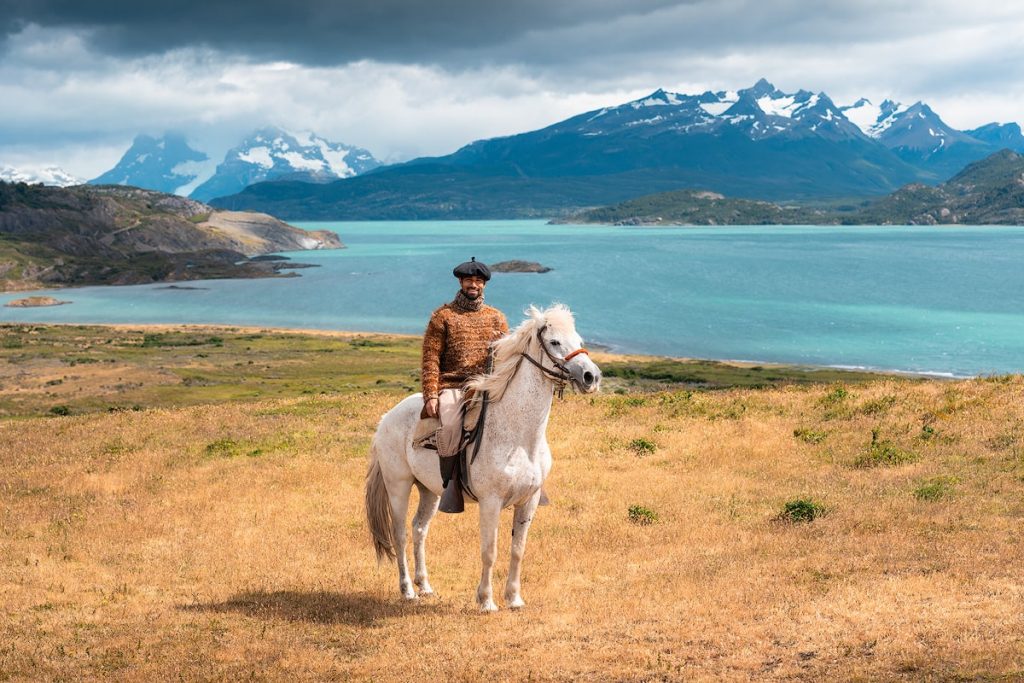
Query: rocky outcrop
[35,302]
[517,266]
[124,235]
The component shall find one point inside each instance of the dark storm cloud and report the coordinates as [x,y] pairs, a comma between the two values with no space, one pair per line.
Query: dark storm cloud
[318,32]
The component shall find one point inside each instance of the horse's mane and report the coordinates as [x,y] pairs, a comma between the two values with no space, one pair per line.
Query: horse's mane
[509,349]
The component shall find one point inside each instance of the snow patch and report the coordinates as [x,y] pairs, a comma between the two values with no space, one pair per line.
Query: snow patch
[782,106]
[259,156]
[885,122]
[671,98]
[716,108]
[141,159]
[641,122]
[198,171]
[335,158]
[864,115]
[302,163]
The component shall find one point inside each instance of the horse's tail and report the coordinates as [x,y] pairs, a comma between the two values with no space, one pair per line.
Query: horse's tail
[378,510]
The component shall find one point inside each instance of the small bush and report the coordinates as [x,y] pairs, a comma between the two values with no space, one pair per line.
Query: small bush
[884,453]
[642,446]
[643,516]
[878,406]
[60,410]
[836,396]
[935,488]
[811,436]
[801,510]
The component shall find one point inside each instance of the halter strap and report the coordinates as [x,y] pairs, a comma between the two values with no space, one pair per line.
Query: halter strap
[574,354]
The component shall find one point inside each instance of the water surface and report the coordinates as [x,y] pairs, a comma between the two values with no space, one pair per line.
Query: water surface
[920,299]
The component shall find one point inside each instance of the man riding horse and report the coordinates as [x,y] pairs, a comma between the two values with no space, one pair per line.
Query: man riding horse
[455,347]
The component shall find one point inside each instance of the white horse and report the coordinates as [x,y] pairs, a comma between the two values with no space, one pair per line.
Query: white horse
[514,458]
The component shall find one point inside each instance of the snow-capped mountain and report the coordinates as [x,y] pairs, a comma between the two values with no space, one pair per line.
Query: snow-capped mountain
[274,154]
[758,142]
[759,112]
[49,175]
[166,164]
[918,135]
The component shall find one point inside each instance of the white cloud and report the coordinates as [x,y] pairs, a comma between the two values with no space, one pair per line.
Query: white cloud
[80,109]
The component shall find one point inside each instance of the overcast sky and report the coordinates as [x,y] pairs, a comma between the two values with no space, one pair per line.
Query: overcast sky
[406,78]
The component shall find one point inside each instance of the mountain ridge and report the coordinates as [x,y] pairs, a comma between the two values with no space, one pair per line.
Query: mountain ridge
[170,164]
[986,192]
[757,143]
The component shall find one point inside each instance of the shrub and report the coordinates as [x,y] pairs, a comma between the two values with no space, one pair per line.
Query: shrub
[643,516]
[878,406]
[642,446]
[883,452]
[60,410]
[837,395]
[935,488]
[811,436]
[801,510]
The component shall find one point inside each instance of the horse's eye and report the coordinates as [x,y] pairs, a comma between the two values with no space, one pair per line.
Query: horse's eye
[555,342]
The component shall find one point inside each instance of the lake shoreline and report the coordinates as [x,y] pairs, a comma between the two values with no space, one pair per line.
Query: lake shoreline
[598,354]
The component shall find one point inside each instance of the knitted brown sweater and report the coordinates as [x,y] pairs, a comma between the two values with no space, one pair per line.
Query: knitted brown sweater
[456,342]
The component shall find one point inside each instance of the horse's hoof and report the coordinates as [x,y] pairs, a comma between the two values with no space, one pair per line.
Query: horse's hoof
[516,603]
[428,593]
[488,607]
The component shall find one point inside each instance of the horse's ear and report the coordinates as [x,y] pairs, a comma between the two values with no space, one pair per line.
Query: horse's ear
[535,313]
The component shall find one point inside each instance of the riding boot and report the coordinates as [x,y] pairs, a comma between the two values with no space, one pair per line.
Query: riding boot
[452,500]
[448,464]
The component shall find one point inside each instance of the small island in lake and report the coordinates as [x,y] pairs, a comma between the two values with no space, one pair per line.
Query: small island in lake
[518,266]
[35,301]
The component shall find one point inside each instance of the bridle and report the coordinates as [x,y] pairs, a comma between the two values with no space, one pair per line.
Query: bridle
[560,375]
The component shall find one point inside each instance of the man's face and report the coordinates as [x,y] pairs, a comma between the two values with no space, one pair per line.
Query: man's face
[473,286]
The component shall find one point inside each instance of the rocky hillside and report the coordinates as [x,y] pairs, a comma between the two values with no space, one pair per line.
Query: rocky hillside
[58,237]
[987,192]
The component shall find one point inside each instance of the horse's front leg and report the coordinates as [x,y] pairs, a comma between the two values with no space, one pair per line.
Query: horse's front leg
[520,528]
[490,513]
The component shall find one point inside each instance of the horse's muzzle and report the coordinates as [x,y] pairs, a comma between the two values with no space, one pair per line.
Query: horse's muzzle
[585,374]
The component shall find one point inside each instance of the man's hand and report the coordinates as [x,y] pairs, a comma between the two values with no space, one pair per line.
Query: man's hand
[430,407]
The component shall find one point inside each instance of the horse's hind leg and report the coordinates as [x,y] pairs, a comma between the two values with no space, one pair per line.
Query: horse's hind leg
[490,513]
[420,526]
[398,496]
[520,528]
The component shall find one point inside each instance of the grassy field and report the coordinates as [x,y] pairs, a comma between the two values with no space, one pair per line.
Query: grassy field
[192,510]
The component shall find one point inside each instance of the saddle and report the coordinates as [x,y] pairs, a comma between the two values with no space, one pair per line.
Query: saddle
[455,469]
[425,433]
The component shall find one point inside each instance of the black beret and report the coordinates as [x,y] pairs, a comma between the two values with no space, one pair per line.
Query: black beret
[472,268]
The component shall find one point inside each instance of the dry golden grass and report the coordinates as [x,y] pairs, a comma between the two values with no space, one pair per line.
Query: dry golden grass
[227,541]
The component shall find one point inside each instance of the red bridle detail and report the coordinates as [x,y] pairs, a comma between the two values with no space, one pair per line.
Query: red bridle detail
[575,353]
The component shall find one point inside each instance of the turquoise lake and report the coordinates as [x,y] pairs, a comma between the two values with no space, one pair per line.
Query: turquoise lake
[918,299]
